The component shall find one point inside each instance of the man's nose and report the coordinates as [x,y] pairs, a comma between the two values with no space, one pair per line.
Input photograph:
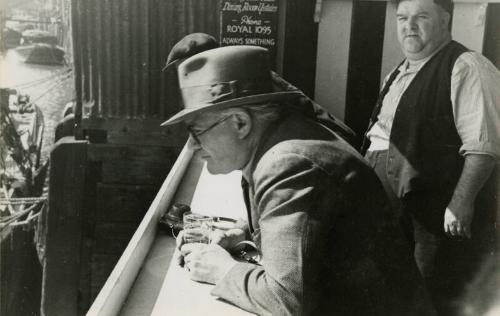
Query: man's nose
[411,23]
[192,144]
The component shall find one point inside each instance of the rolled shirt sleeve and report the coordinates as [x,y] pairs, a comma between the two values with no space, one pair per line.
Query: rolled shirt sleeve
[475,95]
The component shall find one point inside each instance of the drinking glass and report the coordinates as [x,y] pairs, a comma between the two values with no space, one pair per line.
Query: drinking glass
[197,228]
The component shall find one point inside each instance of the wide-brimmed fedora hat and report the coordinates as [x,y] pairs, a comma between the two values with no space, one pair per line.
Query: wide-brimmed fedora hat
[226,77]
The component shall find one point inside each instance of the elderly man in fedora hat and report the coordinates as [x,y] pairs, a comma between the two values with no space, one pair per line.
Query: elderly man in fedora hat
[316,211]
[195,43]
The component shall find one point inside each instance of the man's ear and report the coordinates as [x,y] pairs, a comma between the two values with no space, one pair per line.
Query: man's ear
[445,18]
[242,123]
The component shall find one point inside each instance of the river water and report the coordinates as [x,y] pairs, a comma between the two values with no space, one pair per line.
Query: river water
[50,87]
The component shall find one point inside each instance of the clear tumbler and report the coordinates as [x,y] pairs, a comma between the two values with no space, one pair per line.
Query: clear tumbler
[197,228]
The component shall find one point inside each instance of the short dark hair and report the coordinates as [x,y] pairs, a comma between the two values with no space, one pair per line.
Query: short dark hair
[447,5]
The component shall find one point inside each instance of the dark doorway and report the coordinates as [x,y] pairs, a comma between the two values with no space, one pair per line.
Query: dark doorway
[365,58]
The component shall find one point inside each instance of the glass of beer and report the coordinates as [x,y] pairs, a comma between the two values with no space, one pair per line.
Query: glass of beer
[197,228]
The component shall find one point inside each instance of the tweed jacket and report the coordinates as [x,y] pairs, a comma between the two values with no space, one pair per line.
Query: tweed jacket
[330,244]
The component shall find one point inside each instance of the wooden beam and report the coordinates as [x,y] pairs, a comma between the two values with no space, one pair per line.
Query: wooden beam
[61,271]
[144,131]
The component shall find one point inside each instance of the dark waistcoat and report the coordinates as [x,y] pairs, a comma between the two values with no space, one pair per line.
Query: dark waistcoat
[424,142]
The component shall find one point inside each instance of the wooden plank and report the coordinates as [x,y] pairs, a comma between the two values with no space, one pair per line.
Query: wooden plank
[113,152]
[123,203]
[151,171]
[334,36]
[144,131]
[130,164]
[64,228]
[93,174]
[112,237]
[116,288]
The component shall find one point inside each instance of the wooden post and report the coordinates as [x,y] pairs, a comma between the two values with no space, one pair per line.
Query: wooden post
[64,228]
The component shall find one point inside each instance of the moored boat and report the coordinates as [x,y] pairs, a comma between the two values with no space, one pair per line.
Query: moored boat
[45,54]
[21,203]
[38,36]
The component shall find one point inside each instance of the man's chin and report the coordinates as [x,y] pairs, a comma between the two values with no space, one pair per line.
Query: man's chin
[414,53]
[412,44]
[412,48]
[215,170]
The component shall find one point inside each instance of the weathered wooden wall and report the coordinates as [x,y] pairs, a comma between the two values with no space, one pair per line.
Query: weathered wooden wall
[122,185]
[98,196]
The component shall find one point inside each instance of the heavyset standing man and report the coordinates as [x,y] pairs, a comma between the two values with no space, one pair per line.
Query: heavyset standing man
[316,211]
[433,140]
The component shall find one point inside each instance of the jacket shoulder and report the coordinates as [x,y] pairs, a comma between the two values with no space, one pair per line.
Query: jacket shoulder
[329,158]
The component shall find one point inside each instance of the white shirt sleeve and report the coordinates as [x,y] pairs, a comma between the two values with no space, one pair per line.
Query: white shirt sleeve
[475,96]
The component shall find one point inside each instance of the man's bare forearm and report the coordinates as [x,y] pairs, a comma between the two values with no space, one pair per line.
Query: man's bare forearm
[477,169]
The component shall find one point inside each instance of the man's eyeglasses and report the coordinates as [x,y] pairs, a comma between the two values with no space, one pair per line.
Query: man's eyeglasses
[195,134]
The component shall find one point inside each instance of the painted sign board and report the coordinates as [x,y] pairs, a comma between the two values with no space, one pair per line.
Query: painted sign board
[250,22]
